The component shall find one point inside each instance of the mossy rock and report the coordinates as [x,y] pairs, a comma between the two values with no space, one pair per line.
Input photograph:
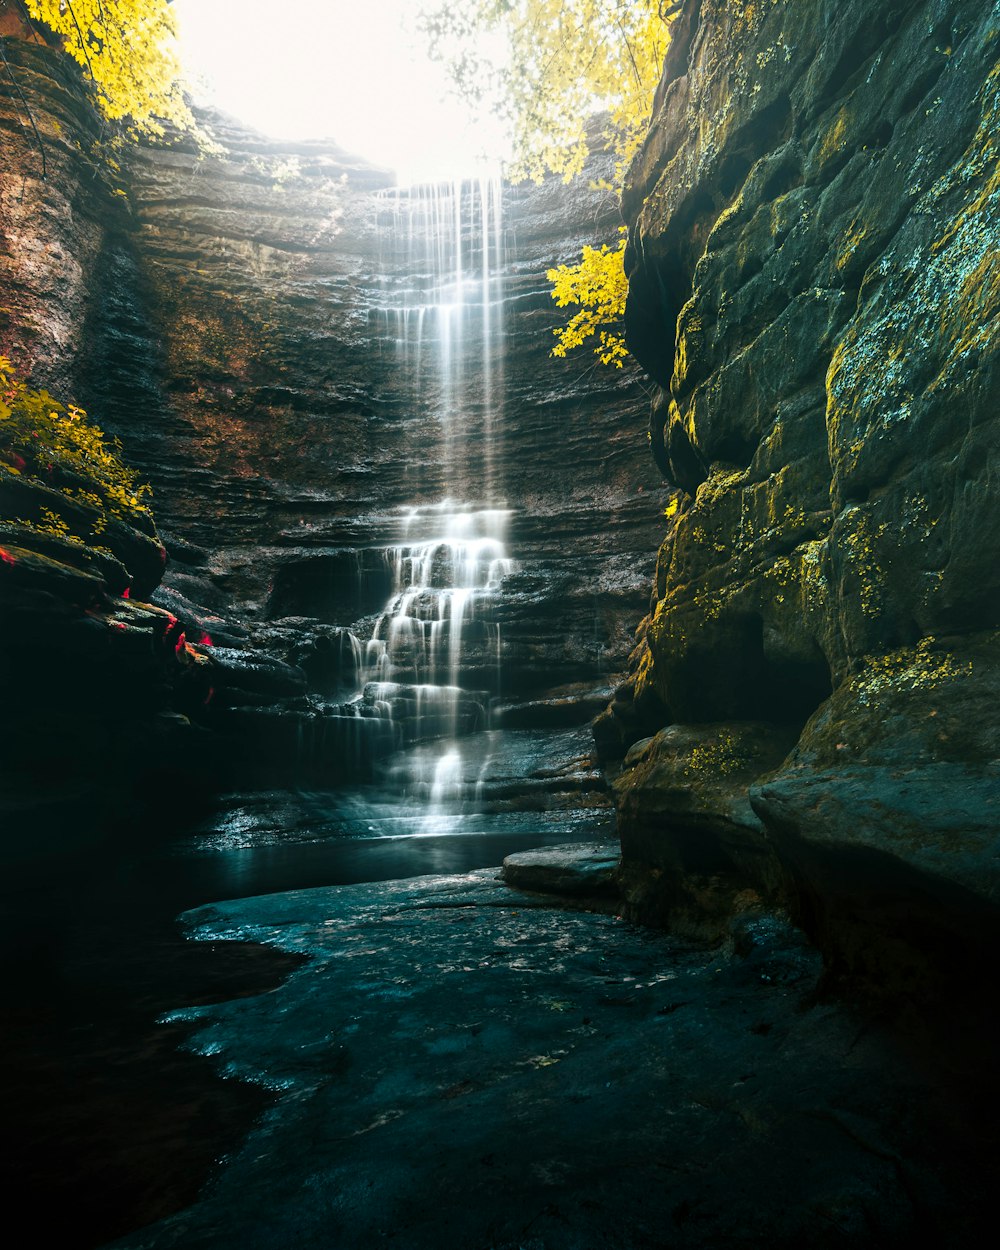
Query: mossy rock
[692,846]
[31,504]
[887,814]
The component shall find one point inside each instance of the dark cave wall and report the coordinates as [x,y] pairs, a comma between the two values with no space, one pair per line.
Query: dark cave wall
[815,288]
[292,429]
[221,315]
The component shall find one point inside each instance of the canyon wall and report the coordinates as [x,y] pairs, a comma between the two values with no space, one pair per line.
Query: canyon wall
[815,289]
[229,316]
[291,432]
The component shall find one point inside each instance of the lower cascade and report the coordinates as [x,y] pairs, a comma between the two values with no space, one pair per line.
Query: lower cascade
[447,569]
[432,666]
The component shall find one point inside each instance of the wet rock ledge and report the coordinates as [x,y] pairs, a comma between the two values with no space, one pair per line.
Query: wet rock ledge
[463,1064]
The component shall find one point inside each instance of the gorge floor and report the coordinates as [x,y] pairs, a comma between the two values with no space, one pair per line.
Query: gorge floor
[451,1062]
[113,1125]
[459,1064]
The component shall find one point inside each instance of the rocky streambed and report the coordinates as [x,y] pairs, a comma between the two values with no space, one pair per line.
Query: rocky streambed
[114,1124]
[458,1062]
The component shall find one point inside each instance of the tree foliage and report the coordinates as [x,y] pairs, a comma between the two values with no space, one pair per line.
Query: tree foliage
[56,444]
[128,49]
[598,287]
[565,61]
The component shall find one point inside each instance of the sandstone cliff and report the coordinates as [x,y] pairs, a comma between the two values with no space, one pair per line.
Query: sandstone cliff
[815,288]
[229,318]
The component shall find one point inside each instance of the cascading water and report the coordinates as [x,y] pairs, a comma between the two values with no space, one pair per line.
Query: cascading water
[434,657]
[453,563]
[424,734]
[432,663]
[441,316]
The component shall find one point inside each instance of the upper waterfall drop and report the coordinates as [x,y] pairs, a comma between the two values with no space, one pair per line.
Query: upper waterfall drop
[441,315]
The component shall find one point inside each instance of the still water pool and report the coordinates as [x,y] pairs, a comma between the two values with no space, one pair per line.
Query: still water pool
[115,1126]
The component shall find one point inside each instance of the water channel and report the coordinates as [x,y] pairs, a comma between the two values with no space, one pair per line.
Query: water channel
[103,1104]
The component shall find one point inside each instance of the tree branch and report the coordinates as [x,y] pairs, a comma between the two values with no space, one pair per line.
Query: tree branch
[83,42]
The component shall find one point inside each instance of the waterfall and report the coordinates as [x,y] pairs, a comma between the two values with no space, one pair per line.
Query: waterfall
[450,563]
[431,665]
[431,661]
[440,315]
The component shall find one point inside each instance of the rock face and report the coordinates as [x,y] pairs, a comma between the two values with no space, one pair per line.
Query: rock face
[692,780]
[55,217]
[253,351]
[235,320]
[815,288]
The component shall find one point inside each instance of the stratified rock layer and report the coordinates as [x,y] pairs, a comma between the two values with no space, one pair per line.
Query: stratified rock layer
[815,287]
[230,318]
[248,349]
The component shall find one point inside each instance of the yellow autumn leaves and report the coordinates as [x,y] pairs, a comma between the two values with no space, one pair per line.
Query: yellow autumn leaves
[598,286]
[563,62]
[128,49]
[566,61]
[57,445]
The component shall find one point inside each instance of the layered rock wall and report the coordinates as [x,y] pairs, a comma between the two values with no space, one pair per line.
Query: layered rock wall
[227,316]
[58,206]
[290,430]
[815,288]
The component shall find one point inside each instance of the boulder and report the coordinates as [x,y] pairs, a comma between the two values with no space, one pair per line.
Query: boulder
[580,869]
[887,815]
[693,849]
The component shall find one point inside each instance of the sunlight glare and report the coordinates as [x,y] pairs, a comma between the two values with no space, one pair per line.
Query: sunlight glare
[333,69]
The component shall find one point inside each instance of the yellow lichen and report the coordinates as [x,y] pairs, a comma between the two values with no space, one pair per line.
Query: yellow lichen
[861,548]
[835,137]
[850,243]
[919,668]
[721,757]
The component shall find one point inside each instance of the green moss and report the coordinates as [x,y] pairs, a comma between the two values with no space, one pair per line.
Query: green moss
[852,240]
[945,301]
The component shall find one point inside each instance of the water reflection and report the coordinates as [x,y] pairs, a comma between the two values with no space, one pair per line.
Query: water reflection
[266,841]
[254,870]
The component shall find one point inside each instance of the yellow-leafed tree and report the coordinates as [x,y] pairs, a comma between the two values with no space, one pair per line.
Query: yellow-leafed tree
[558,63]
[128,49]
[598,287]
[551,65]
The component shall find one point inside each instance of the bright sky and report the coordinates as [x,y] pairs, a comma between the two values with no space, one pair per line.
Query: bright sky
[354,71]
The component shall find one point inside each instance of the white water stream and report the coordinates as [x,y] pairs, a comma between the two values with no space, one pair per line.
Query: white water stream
[442,307]
[433,662]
